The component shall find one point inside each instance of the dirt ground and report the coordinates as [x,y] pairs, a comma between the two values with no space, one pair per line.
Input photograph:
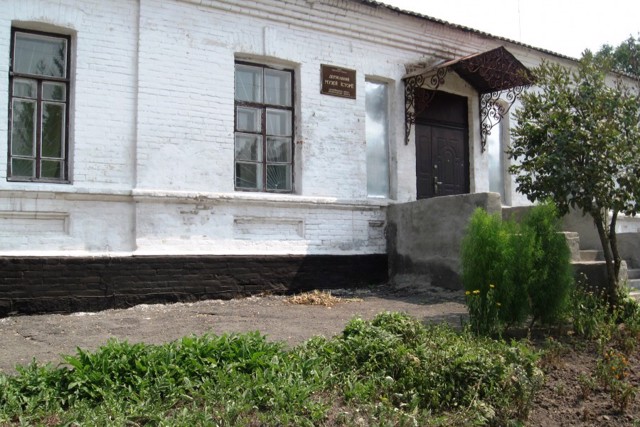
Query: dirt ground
[46,337]
[562,402]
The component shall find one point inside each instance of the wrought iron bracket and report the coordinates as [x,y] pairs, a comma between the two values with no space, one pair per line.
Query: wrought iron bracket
[415,102]
[494,106]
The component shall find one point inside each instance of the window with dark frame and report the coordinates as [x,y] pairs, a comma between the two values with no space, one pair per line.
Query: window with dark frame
[38,107]
[263,128]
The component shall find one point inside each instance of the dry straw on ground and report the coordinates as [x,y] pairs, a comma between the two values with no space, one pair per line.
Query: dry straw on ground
[316,297]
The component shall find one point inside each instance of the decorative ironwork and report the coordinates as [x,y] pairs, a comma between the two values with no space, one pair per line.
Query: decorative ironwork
[495,74]
[415,101]
[493,107]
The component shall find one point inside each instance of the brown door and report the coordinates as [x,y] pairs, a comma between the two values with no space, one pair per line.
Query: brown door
[442,154]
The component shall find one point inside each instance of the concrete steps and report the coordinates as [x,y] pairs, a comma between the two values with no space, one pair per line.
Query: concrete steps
[633,281]
[591,255]
[591,262]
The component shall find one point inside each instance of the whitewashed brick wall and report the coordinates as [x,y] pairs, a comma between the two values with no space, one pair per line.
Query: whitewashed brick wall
[152,147]
[104,40]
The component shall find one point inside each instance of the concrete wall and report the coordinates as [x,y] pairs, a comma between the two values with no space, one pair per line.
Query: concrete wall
[424,238]
[424,241]
[628,224]
[583,225]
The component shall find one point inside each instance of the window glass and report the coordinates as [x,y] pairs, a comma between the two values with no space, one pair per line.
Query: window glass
[23,129]
[248,175]
[377,136]
[277,87]
[248,147]
[248,119]
[40,55]
[278,149]
[51,169]
[495,161]
[248,83]
[52,129]
[278,122]
[279,177]
[25,88]
[54,91]
[22,167]
[497,143]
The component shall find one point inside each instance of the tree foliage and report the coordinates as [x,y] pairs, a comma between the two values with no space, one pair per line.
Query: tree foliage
[577,142]
[625,57]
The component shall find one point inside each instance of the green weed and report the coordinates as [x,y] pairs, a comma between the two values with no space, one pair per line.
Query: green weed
[613,372]
[392,370]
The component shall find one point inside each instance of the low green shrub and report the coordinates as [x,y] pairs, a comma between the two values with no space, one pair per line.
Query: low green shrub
[396,359]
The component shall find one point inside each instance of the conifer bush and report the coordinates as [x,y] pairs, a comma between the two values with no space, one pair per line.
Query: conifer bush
[512,271]
[551,280]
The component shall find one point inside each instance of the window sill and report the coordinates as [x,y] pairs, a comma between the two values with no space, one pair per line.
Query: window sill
[40,190]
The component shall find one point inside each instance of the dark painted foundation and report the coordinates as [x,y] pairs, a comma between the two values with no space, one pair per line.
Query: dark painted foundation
[30,285]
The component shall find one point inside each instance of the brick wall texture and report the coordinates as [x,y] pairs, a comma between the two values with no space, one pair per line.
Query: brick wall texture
[67,284]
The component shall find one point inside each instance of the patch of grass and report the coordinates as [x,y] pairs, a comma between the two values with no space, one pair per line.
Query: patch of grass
[392,370]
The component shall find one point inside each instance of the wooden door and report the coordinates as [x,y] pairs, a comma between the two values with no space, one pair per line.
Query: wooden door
[442,153]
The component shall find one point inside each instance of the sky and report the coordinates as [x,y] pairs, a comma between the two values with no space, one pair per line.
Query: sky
[567,27]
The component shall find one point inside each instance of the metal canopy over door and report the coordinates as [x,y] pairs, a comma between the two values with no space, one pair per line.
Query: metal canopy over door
[442,150]
[497,75]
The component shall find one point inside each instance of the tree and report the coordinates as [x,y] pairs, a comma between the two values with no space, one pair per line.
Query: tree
[577,142]
[625,57]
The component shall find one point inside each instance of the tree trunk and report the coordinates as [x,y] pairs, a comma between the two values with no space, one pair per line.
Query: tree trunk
[612,278]
[613,243]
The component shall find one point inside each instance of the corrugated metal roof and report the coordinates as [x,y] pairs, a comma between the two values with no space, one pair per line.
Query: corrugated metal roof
[461,27]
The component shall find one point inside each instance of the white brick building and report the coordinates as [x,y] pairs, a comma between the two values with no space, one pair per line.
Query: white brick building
[165,142]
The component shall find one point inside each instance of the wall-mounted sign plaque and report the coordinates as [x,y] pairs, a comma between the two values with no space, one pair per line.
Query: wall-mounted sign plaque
[338,81]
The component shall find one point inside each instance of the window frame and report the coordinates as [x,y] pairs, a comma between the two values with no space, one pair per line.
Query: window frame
[263,106]
[40,81]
